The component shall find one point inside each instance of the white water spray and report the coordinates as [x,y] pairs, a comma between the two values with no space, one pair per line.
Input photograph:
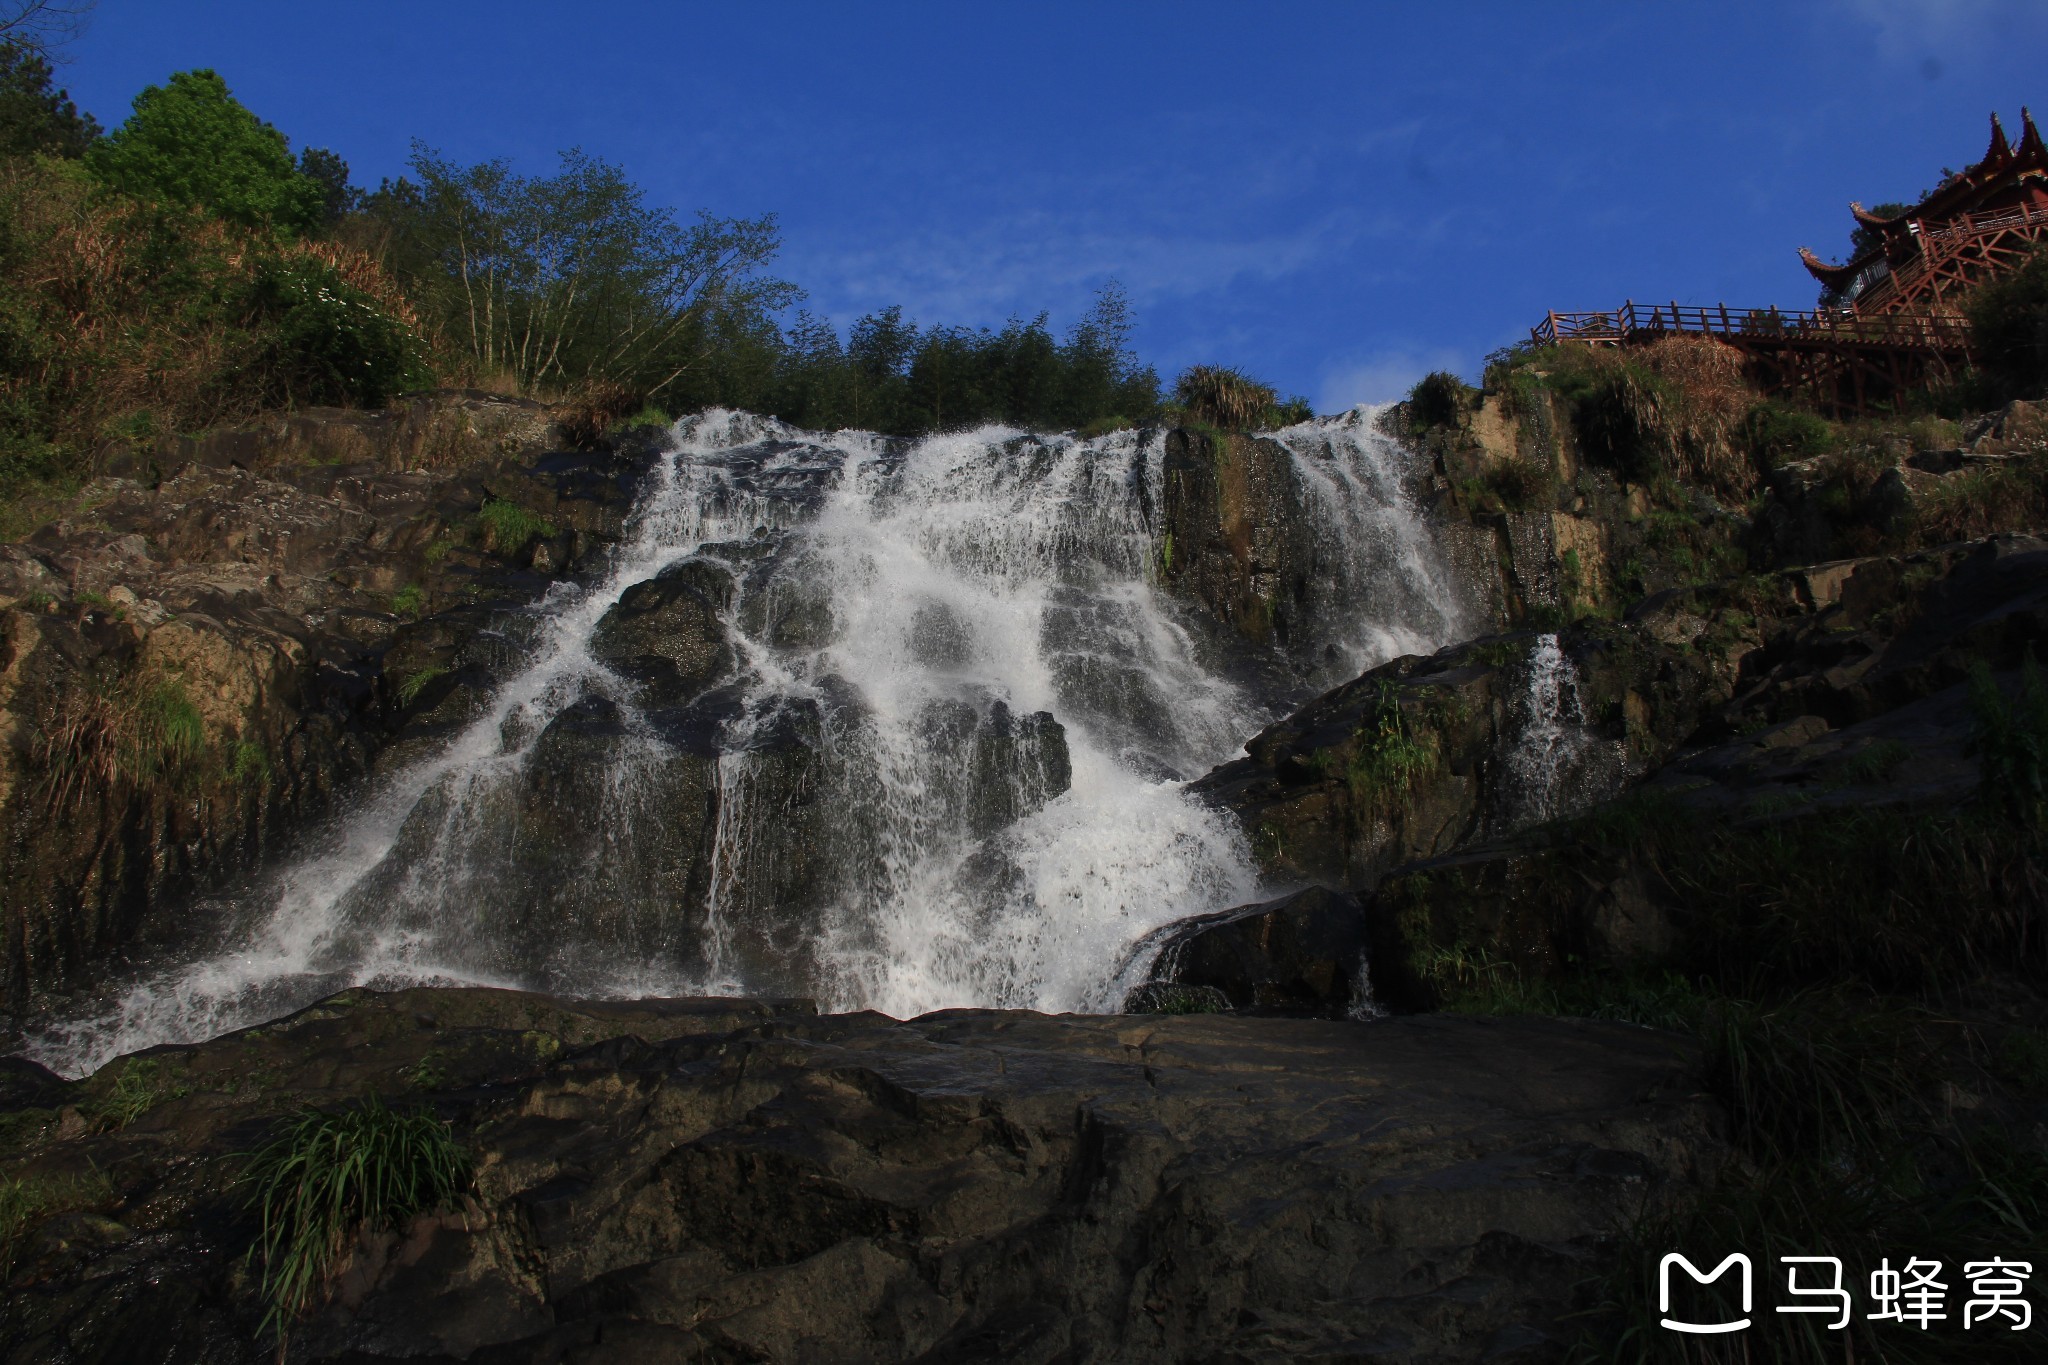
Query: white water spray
[1550,768]
[948,771]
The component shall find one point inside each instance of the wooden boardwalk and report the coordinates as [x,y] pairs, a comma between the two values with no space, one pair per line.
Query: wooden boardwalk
[1843,363]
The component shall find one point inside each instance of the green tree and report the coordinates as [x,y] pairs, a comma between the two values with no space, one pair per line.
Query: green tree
[575,279]
[327,170]
[192,142]
[878,350]
[34,117]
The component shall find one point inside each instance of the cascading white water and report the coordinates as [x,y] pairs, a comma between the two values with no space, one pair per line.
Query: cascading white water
[1548,765]
[948,771]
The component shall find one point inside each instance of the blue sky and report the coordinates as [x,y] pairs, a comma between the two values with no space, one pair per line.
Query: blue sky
[1335,196]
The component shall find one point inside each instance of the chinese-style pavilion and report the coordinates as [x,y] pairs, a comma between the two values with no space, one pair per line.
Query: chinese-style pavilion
[1978,223]
[1890,319]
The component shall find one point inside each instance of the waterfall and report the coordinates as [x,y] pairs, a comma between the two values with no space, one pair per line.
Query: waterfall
[941,763]
[1555,765]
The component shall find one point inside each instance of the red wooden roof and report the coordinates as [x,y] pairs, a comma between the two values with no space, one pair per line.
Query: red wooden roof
[2004,176]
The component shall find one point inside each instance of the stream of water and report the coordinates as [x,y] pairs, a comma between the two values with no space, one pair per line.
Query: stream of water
[946,768]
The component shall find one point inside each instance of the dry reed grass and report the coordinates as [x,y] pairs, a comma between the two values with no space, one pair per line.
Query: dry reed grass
[1224,397]
[124,317]
[597,404]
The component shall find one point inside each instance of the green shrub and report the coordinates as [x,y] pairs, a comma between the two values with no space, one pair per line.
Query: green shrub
[2011,742]
[328,342]
[409,601]
[329,1176]
[1291,411]
[649,417]
[1519,484]
[1625,424]
[2022,1060]
[508,527]
[250,763]
[1439,399]
[2009,329]
[1780,435]
[430,1072]
[2011,495]
[1873,765]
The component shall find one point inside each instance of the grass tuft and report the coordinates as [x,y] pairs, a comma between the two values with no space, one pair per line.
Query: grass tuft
[142,1084]
[1395,751]
[251,762]
[508,528]
[417,682]
[328,1177]
[26,1201]
[1232,400]
[112,735]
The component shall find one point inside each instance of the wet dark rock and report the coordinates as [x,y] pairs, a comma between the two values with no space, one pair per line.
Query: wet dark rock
[572,889]
[1233,519]
[1687,669]
[669,631]
[1413,758]
[1171,997]
[723,1179]
[1302,954]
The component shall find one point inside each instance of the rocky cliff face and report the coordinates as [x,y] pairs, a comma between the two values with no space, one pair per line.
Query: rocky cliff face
[231,636]
[742,1180]
[1839,686]
[229,631]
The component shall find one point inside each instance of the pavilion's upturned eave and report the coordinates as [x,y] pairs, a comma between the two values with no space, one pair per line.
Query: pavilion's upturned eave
[1835,276]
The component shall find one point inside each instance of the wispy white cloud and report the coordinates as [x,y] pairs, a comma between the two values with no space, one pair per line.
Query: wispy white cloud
[1381,377]
[1029,261]
[1256,209]
[1924,30]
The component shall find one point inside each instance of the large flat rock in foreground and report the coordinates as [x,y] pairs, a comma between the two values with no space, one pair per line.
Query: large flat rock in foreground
[725,1180]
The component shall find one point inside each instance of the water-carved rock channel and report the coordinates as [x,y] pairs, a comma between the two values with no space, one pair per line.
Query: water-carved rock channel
[889,725]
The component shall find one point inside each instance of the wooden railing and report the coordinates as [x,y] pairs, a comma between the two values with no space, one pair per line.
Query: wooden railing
[1640,322]
[1979,224]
